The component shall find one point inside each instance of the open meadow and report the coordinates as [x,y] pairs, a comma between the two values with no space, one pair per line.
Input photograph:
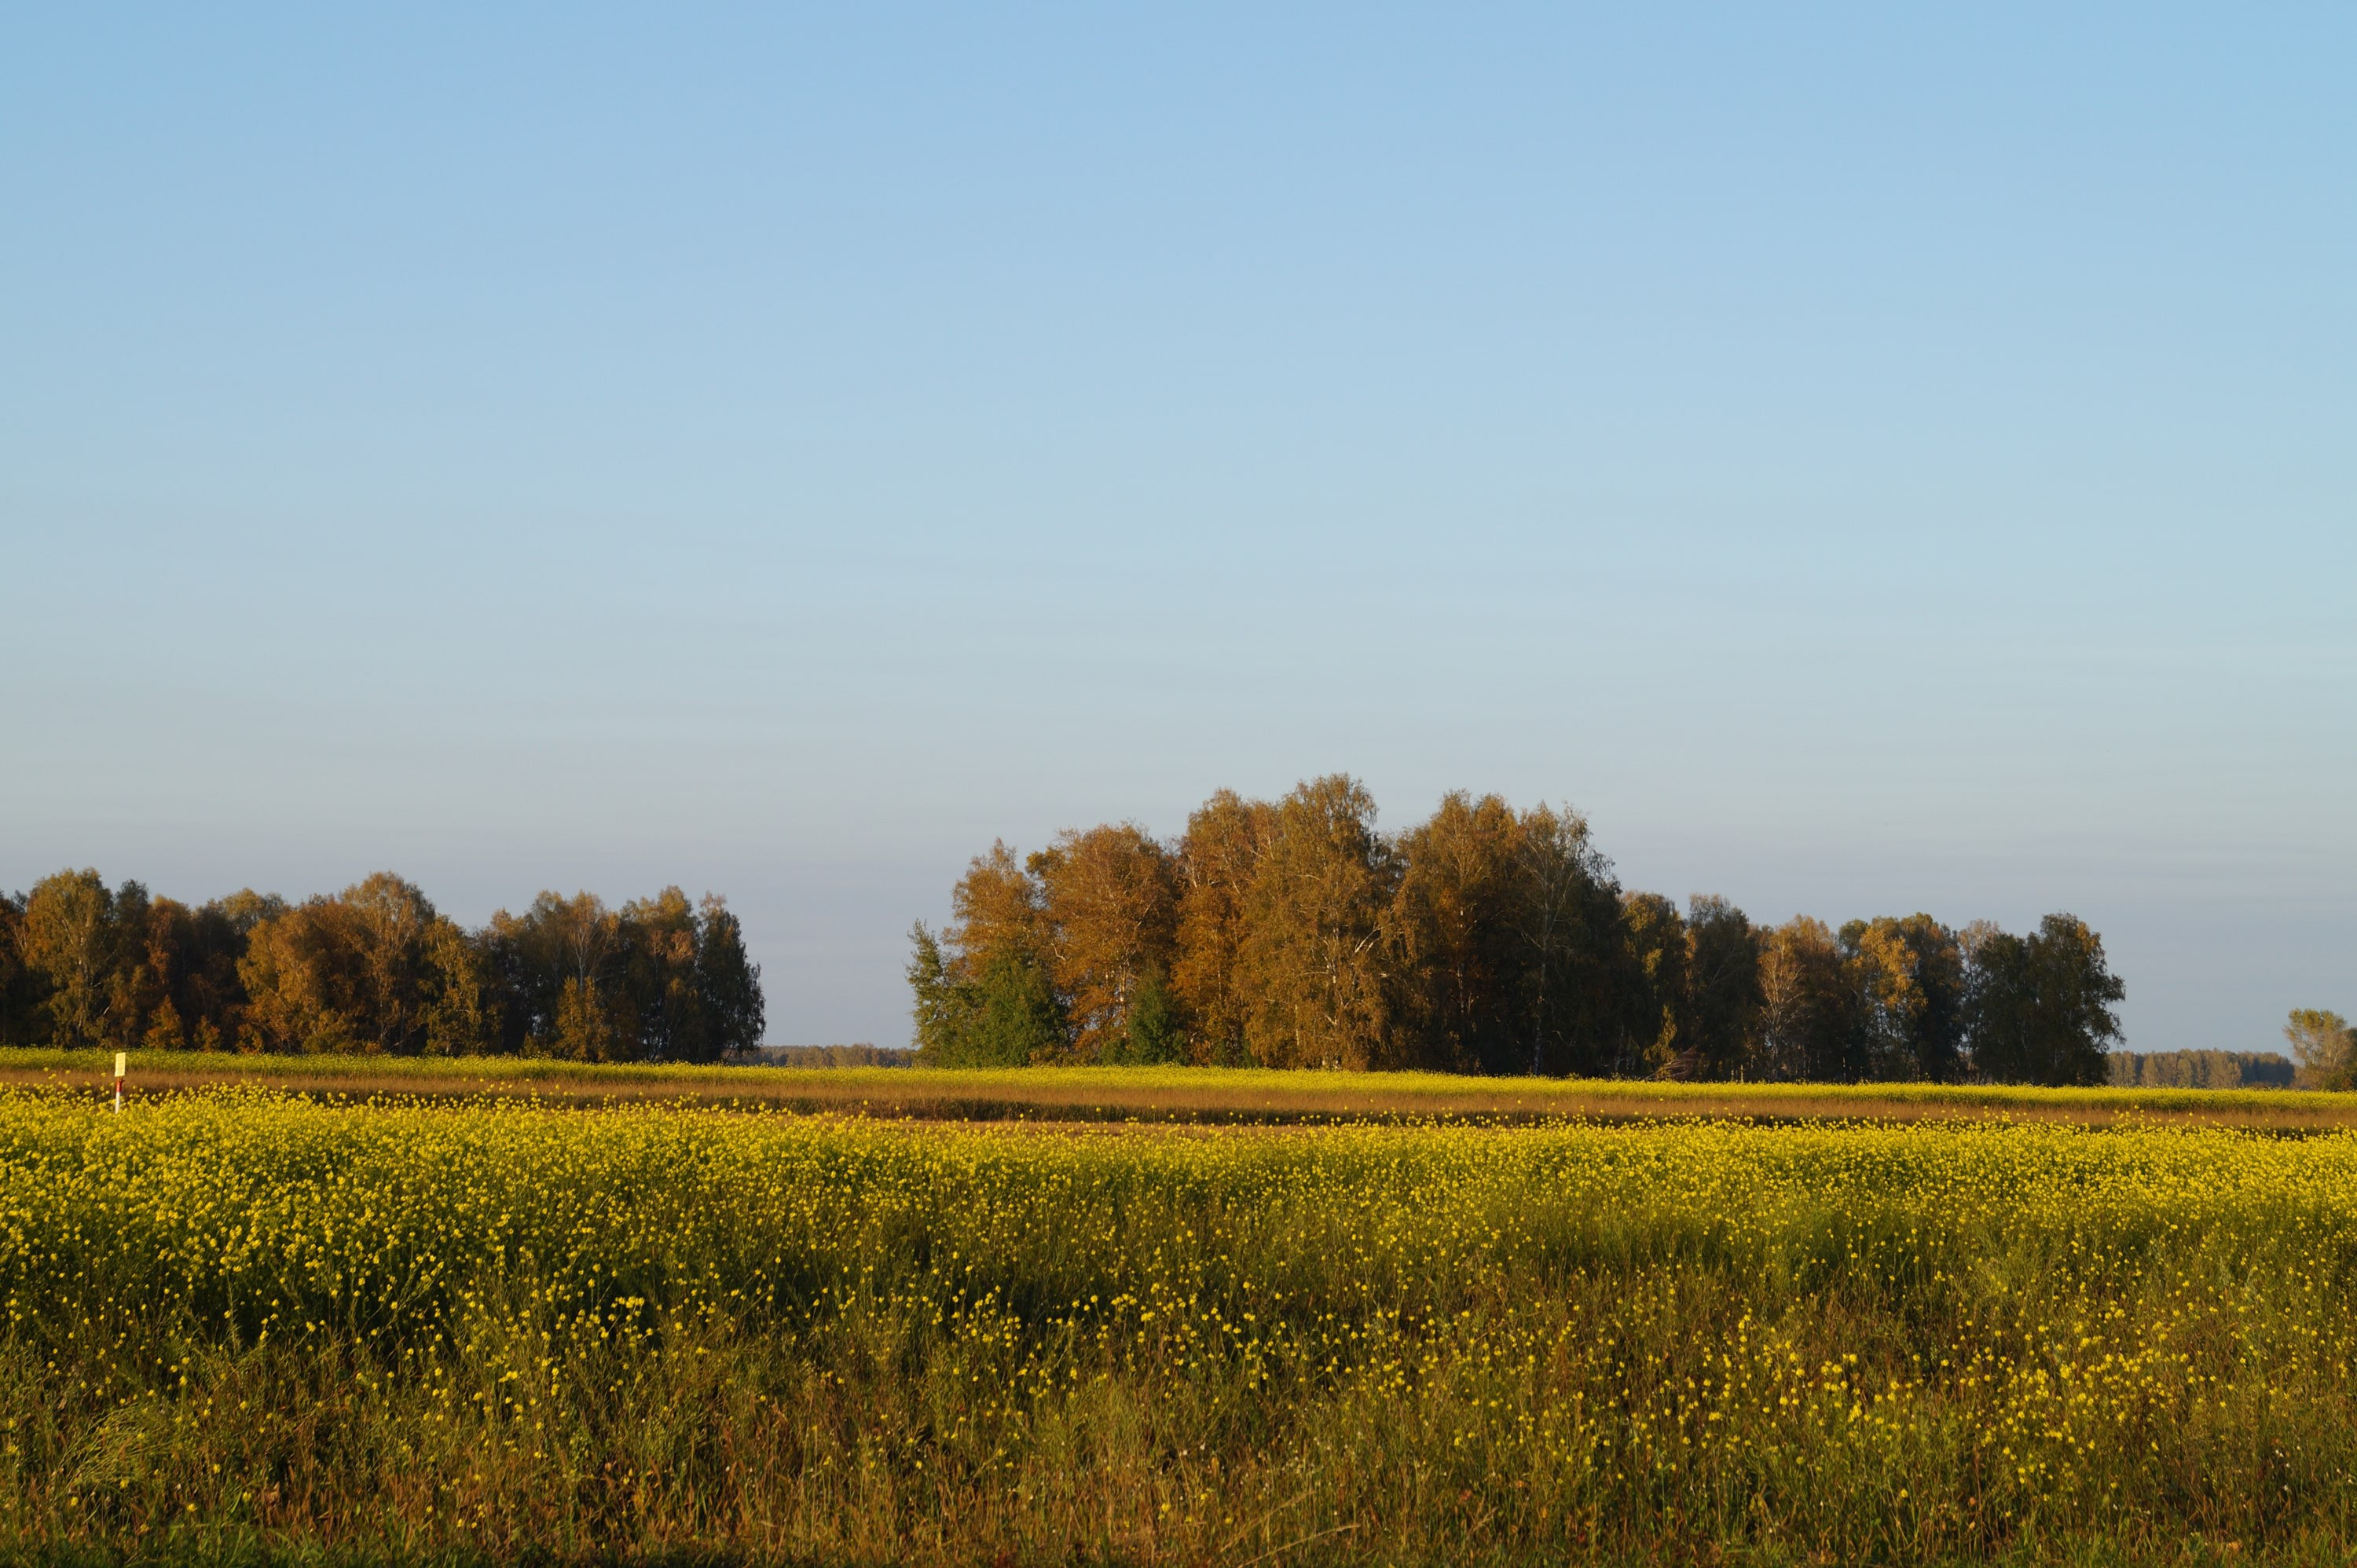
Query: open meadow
[244,1324]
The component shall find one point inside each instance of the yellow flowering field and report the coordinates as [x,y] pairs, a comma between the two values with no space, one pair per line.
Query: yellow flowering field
[1163,1093]
[243,1326]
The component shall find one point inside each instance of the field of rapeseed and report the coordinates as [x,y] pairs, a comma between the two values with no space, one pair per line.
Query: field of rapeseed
[240,1324]
[1215,1095]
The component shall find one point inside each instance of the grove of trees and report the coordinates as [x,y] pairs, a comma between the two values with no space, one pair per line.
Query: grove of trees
[1292,933]
[374,969]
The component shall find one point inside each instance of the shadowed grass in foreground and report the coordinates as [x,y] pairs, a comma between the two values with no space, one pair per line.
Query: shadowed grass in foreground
[242,1324]
[1207,1094]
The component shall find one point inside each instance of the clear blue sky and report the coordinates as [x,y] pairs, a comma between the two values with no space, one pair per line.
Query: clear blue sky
[1868,459]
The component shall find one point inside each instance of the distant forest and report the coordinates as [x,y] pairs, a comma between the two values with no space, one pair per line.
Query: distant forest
[2204,1069]
[374,969]
[1291,933]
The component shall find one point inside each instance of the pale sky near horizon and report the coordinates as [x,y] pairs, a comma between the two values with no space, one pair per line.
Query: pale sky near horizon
[1866,458]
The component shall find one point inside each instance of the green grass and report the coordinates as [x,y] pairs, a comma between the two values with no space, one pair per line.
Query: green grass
[242,1325]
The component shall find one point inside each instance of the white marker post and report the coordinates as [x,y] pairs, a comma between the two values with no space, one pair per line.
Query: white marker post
[120,1058]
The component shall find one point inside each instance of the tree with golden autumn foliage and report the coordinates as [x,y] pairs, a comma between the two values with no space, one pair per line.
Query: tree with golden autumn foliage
[1217,860]
[374,969]
[369,970]
[85,943]
[1294,933]
[1311,968]
[2324,1045]
[1108,925]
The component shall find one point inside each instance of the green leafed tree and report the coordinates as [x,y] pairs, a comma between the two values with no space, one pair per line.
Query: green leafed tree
[1004,1016]
[195,999]
[461,1006]
[1723,993]
[1653,946]
[1572,979]
[1909,973]
[985,993]
[1809,1009]
[560,967]
[21,1023]
[83,946]
[660,978]
[728,982]
[2039,1009]
[1016,1019]
[941,1002]
[1154,1030]
[1455,938]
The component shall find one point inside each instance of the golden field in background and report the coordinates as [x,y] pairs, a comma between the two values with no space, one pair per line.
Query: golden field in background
[1176,1093]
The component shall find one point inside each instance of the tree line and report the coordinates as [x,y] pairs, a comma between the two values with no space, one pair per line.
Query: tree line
[2323,1055]
[2204,1069]
[1292,933]
[374,969]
